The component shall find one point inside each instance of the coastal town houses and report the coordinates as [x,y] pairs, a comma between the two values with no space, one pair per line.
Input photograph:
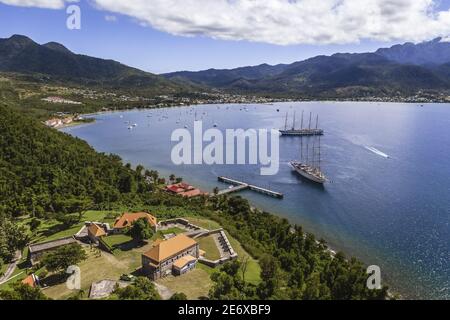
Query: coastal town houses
[176,255]
[127,219]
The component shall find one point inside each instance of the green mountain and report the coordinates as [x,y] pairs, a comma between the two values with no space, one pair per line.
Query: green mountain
[223,78]
[20,54]
[405,69]
[435,52]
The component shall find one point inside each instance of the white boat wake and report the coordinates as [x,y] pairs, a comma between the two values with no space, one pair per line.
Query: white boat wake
[378,152]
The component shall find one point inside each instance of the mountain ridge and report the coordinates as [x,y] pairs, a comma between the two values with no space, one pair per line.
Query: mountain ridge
[20,54]
[404,69]
[381,73]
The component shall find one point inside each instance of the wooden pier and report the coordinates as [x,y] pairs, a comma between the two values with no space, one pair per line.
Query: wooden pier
[240,186]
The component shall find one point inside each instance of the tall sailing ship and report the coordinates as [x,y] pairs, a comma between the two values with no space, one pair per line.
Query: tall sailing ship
[310,164]
[302,131]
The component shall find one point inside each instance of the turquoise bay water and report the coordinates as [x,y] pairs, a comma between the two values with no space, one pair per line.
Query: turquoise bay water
[393,212]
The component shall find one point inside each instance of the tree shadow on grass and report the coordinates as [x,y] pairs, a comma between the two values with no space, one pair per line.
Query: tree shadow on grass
[138,273]
[54,279]
[130,245]
[55,229]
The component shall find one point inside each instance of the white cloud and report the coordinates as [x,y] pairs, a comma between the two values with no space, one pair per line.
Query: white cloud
[47,4]
[282,21]
[290,21]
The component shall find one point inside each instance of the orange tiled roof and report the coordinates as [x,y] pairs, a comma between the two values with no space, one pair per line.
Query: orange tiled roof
[169,248]
[127,219]
[30,280]
[182,262]
[96,231]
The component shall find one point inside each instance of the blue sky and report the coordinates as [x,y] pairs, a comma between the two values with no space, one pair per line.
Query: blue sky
[166,47]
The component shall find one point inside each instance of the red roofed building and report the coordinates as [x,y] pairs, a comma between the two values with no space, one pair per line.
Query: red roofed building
[185,190]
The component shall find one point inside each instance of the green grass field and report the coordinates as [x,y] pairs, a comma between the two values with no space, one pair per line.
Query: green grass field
[117,240]
[195,284]
[174,230]
[204,223]
[253,273]
[52,230]
[209,246]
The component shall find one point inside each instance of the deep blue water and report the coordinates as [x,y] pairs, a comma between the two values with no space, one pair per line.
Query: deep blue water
[392,212]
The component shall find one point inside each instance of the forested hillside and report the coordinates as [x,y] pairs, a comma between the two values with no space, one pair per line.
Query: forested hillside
[42,170]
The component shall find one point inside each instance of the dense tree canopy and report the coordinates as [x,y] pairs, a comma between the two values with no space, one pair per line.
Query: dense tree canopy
[294,265]
[63,257]
[20,291]
[12,237]
[43,170]
[141,289]
[141,230]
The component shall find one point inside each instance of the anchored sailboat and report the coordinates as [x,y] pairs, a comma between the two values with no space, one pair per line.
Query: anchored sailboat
[302,131]
[310,164]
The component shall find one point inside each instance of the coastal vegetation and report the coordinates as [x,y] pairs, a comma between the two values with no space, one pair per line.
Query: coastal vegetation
[52,181]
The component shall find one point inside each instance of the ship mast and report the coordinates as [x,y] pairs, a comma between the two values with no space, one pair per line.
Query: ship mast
[310,119]
[320,160]
[293,122]
[301,149]
[307,152]
[285,122]
[313,163]
[303,112]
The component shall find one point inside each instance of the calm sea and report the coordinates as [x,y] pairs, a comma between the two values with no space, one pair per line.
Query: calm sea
[389,211]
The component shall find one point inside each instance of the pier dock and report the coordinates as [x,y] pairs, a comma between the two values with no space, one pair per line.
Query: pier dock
[240,186]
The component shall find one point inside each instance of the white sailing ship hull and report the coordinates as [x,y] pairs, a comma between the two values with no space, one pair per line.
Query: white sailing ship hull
[304,173]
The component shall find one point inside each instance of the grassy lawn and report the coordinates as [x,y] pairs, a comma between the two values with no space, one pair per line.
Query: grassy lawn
[117,239]
[209,246]
[97,268]
[174,230]
[163,212]
[194,284]
[204,223]
[253,273]
[52,230]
